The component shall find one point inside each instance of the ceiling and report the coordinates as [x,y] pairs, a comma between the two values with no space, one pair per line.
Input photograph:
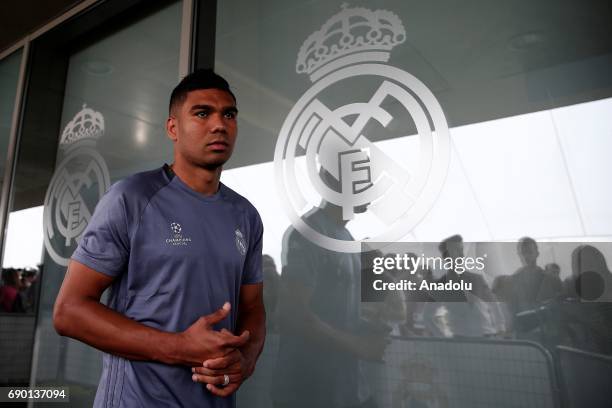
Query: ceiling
[483,60]
[20,18]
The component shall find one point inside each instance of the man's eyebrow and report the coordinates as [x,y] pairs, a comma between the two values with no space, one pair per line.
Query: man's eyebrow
[198,107]
[209,107]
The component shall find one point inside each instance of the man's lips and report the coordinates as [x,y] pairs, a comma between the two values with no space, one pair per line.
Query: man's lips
[217,145]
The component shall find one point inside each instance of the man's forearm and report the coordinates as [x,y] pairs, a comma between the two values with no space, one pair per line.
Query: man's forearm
[303,321]
[103,328]
[253,320]
[97,325]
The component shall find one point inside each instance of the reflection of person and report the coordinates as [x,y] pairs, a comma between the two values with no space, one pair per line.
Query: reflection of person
[588,313]
[452,247]
[462,312]
[416,300]
[591,279]
[272,283]
[553,269]
[28,292]
[183,255]
[530,285]
[10,301]
[322,337]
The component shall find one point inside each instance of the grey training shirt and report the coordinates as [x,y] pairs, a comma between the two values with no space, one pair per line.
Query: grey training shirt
[176,255]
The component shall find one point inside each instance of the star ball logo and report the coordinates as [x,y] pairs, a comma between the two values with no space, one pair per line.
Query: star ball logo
[177,236]
[78,183]
[349,53]
[176,227]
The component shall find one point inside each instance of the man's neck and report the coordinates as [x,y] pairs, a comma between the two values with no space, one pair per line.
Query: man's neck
[204,181]
[333,212]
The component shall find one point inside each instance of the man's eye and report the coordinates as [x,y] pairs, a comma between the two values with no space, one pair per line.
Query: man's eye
[202,114]
[230,115]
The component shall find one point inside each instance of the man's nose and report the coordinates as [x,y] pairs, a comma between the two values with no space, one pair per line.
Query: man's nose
[218,123]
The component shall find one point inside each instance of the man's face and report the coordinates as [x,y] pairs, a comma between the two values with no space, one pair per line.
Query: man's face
[528,252]
[454,249]
[204,128]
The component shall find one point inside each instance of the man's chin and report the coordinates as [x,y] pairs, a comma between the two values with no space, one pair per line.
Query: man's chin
[213,165]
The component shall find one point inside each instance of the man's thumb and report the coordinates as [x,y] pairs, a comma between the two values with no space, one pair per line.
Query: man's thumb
[218,315]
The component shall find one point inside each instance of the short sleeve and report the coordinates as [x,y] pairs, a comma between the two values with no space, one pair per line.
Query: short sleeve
[104,245]
[253,270]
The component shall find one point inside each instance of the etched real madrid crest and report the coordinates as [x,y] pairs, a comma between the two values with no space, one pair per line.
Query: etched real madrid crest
[78,183]
[346,56]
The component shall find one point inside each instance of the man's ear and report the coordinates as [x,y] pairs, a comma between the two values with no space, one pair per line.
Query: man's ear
[171,128]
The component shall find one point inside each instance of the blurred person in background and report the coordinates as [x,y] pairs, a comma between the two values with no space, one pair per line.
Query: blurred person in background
[323,340]
[464,313]
[271,292]
[29,290]
[10,301]
[530,284]
[588,309]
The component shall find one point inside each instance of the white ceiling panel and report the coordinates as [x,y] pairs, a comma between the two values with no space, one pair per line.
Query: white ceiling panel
[585,132]
[519,175]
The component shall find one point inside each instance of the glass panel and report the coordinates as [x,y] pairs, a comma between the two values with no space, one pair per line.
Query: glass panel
[11,268]
[112,125]
[17,290]
[9,75]
[487,119]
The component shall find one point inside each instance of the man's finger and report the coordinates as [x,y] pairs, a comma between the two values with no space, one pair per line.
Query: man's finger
[223,391]
[215,380]
[223,362]
[233,369]
[237,341]
[219,315]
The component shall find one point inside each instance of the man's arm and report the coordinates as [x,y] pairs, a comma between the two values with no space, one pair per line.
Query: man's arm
[240,364]
[252,318]
[79,314]
[298,316]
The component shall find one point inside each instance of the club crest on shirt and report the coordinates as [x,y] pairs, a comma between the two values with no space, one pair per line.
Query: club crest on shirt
[240,242]
[177,237]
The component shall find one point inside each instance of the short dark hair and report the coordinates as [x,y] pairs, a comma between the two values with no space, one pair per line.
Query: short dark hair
[10,277]
[443,246]
[524,243]
[199,79]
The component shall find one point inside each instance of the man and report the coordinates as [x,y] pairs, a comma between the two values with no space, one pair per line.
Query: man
[182,253]
[452,248]
[471,313]
[530,284]
[322,338]
[10,301]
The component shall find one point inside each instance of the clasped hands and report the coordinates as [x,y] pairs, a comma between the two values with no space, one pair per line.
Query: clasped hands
[215,354]
[213,371]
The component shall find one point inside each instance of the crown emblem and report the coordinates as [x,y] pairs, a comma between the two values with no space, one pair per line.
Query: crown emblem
[87,124]
[353,35]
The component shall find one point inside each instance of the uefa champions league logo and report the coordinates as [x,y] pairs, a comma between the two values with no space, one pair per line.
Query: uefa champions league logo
[355,44]
[78,183]
[177,238]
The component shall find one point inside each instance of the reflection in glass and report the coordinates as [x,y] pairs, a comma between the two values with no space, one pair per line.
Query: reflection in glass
[112,125]
[529,156]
